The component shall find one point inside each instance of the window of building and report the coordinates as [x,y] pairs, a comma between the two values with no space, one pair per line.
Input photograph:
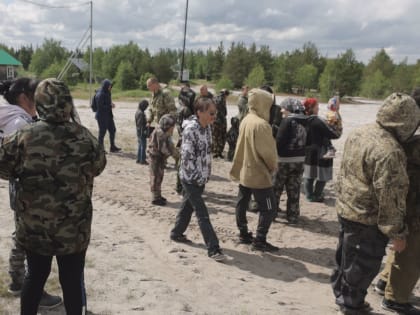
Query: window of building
[10,72]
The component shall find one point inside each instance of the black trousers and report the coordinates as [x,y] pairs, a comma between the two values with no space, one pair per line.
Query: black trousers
[70,270]
[358,257]
[267,207]
[106,124]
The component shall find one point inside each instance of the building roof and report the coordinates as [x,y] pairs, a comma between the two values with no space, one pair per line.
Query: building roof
[80,64]
[7,60]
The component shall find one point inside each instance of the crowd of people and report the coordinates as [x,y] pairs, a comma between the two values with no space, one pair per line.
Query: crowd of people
[51,160]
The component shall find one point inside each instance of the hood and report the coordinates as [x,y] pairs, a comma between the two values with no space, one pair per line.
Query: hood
[259,102]
[292,105]
[53,101]
[191,121]
[143,105]
[400,115]
[234,122]
[166,122]
[106,84]
[9,112]
[302,118]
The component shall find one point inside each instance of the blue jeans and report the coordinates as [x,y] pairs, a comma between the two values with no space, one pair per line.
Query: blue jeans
[141,152]
[193,200]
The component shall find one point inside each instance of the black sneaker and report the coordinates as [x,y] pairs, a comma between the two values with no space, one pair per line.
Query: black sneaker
[49,301]
[263,246]
[246,238]
[400,308]
[159,202]
[115,149]
[14,289]
[380,287]
[364,310]
[163,198]
[292,220]
[180,238]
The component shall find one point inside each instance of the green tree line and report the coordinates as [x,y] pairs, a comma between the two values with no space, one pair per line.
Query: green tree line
[302,71]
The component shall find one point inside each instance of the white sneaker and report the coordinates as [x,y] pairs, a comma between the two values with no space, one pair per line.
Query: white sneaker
[329,155]
[218,256]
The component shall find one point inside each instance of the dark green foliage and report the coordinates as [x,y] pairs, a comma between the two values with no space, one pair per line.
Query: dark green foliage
[51,52]
[125,78]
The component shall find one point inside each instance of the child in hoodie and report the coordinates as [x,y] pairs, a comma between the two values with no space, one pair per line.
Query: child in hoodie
[159,149]
[142,134]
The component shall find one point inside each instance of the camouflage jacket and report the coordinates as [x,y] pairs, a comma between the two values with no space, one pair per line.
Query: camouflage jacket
[242,107]
[221,111]
[54,162]
[372,183]
[412,150]
[162,103]
[161,146]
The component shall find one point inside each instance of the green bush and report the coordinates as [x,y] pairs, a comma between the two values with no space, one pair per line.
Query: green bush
[224,83]
[125,78]
[143,80]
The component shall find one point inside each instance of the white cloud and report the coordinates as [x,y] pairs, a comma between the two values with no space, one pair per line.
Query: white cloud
[334,26]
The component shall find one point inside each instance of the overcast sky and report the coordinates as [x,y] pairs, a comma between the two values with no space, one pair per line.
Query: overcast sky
[332,25]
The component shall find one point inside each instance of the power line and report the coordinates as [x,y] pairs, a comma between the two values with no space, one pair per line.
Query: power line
[54,6]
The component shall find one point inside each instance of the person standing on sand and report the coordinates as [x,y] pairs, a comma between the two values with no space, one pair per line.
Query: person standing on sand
[161,103]
[18,112]
[254,163]
[104,115]
[317,170]
[55,161]
[372,187]
[194,172]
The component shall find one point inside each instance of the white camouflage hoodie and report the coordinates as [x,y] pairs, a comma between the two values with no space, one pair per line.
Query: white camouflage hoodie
[195,165]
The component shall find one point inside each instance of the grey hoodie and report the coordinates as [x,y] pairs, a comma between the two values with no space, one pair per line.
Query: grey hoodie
[12,118]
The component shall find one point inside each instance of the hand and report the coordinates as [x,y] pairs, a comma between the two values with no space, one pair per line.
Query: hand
[398,245]
[113,105]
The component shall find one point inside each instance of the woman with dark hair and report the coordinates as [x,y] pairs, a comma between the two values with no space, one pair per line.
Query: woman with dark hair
[317,171]
[18,112]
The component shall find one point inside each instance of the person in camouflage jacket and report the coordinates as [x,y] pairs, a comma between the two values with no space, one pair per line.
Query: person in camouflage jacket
[220,125]
[402,270]
[159,149]
[372,187]
[19,111]
[54,161]
[161,103]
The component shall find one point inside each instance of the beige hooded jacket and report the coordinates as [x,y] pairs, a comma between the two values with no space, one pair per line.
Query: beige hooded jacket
[255,156]
[372,184]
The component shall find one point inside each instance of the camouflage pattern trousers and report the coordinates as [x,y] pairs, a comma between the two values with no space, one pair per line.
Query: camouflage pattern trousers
[17,263]
[219,139]
[289,175]
[157,170]
[358,258]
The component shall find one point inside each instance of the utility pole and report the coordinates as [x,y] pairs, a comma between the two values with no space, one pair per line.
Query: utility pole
[91,51]
[183,47]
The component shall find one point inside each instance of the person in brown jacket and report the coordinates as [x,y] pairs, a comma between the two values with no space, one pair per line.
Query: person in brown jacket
[254,163]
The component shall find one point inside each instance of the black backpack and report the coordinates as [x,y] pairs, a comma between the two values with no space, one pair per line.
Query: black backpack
[94,104]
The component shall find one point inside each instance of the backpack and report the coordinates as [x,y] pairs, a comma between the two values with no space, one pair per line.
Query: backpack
[94,104]
[298,135]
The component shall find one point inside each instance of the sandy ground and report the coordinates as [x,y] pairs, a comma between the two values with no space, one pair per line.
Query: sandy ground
[133,268]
